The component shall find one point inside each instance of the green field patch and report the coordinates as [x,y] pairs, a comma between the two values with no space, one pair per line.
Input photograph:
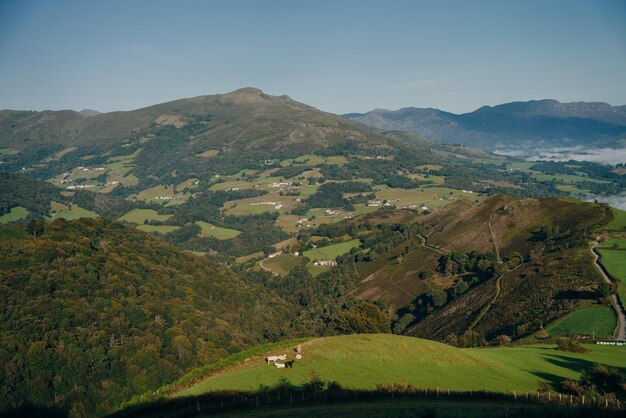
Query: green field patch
[282,263]
[231,185]
[138,216]
[61,153]
[619,220]
[614,261]
[15,214]
[521,166]
[162,194]
[317,270]
[429,167]
[565,178]
[209,230]
[70,211]
[208,153]
[336,159]
[271,202]
[364,361]
[253,256]
[330,252]
[613,244]
[599,321]
[161,229]
[567,188]
[8,151]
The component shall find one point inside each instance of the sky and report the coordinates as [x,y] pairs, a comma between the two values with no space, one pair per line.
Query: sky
[339,56]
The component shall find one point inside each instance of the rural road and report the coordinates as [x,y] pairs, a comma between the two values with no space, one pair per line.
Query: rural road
[619,308]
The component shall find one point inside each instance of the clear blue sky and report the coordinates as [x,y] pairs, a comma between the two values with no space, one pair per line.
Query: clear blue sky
[339,56]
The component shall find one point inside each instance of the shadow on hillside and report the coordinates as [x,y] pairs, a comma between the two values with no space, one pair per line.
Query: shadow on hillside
[34,411]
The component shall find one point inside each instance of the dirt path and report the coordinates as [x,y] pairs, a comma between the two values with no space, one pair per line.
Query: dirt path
[267,268]
[617,304]
[487,307]
[495,241]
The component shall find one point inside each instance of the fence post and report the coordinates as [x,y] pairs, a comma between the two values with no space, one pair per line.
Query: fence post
[437,391]
[198,406]
[257,401]
[514,395]
[583,399]
[290,399]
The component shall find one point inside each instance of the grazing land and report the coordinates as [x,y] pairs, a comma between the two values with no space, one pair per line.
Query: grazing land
[614,261]
[599,321]
[70,211]
[330,252]
[619,220]
[161,229]
[15,214]
[364,361]
[138,216]
[282,264]
[210,230]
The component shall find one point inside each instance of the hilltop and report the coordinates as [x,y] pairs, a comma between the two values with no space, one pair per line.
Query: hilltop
[365,361]
[546,123]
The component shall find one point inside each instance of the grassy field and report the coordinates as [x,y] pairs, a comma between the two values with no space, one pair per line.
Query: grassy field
[330,252]
[15,214]
[363,361]
[60,210]
[619,220]
[138,216]
[565,178]
[599,320]
[161,229]
[283,263]
[615,263]
[209,230]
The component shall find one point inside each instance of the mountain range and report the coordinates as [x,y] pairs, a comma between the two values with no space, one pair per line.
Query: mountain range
[543,123]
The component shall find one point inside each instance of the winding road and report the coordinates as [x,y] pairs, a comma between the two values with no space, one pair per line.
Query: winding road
[619,308]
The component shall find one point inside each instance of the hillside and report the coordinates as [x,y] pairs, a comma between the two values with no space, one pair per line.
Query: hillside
[93,312]
[365,361]
[518,124]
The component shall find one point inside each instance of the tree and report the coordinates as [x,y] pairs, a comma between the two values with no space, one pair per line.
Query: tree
[362,318]
[36,228]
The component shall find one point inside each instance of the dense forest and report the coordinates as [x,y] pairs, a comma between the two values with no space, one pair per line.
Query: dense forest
[93,312]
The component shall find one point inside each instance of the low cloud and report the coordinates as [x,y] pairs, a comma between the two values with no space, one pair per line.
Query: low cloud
[579,153]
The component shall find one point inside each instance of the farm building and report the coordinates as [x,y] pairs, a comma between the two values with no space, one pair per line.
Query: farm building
[325,263]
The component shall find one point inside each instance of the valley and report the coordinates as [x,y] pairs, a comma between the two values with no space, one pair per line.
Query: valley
[261,219]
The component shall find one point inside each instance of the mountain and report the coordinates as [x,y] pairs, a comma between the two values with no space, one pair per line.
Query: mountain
[243,118]
[545,123]
[94,312]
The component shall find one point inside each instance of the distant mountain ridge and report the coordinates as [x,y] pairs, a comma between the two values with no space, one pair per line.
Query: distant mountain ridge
[526,124]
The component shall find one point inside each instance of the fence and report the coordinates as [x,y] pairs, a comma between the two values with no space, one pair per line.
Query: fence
[294,397]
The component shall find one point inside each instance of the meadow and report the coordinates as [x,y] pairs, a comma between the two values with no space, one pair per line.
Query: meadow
[364,361]
[71,211]
[282,264]
[209,230]
[614,261]
[330,252]
[138,216]
[15,214]
[599,321]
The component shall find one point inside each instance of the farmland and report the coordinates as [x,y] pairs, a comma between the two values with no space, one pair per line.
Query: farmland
[210,230]
[70,211]
[330,252]
[599,321]
[363,361]
[138,216]
[614,260]
[15,214]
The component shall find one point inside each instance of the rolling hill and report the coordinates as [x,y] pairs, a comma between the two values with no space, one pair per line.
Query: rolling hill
[365,361]
[94,312]
[546,123]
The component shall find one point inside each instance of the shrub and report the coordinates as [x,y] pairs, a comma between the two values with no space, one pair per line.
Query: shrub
[570,345]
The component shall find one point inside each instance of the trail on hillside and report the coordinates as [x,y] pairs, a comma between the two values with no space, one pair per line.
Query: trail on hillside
[615,301]
[488,306]
[495,241]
